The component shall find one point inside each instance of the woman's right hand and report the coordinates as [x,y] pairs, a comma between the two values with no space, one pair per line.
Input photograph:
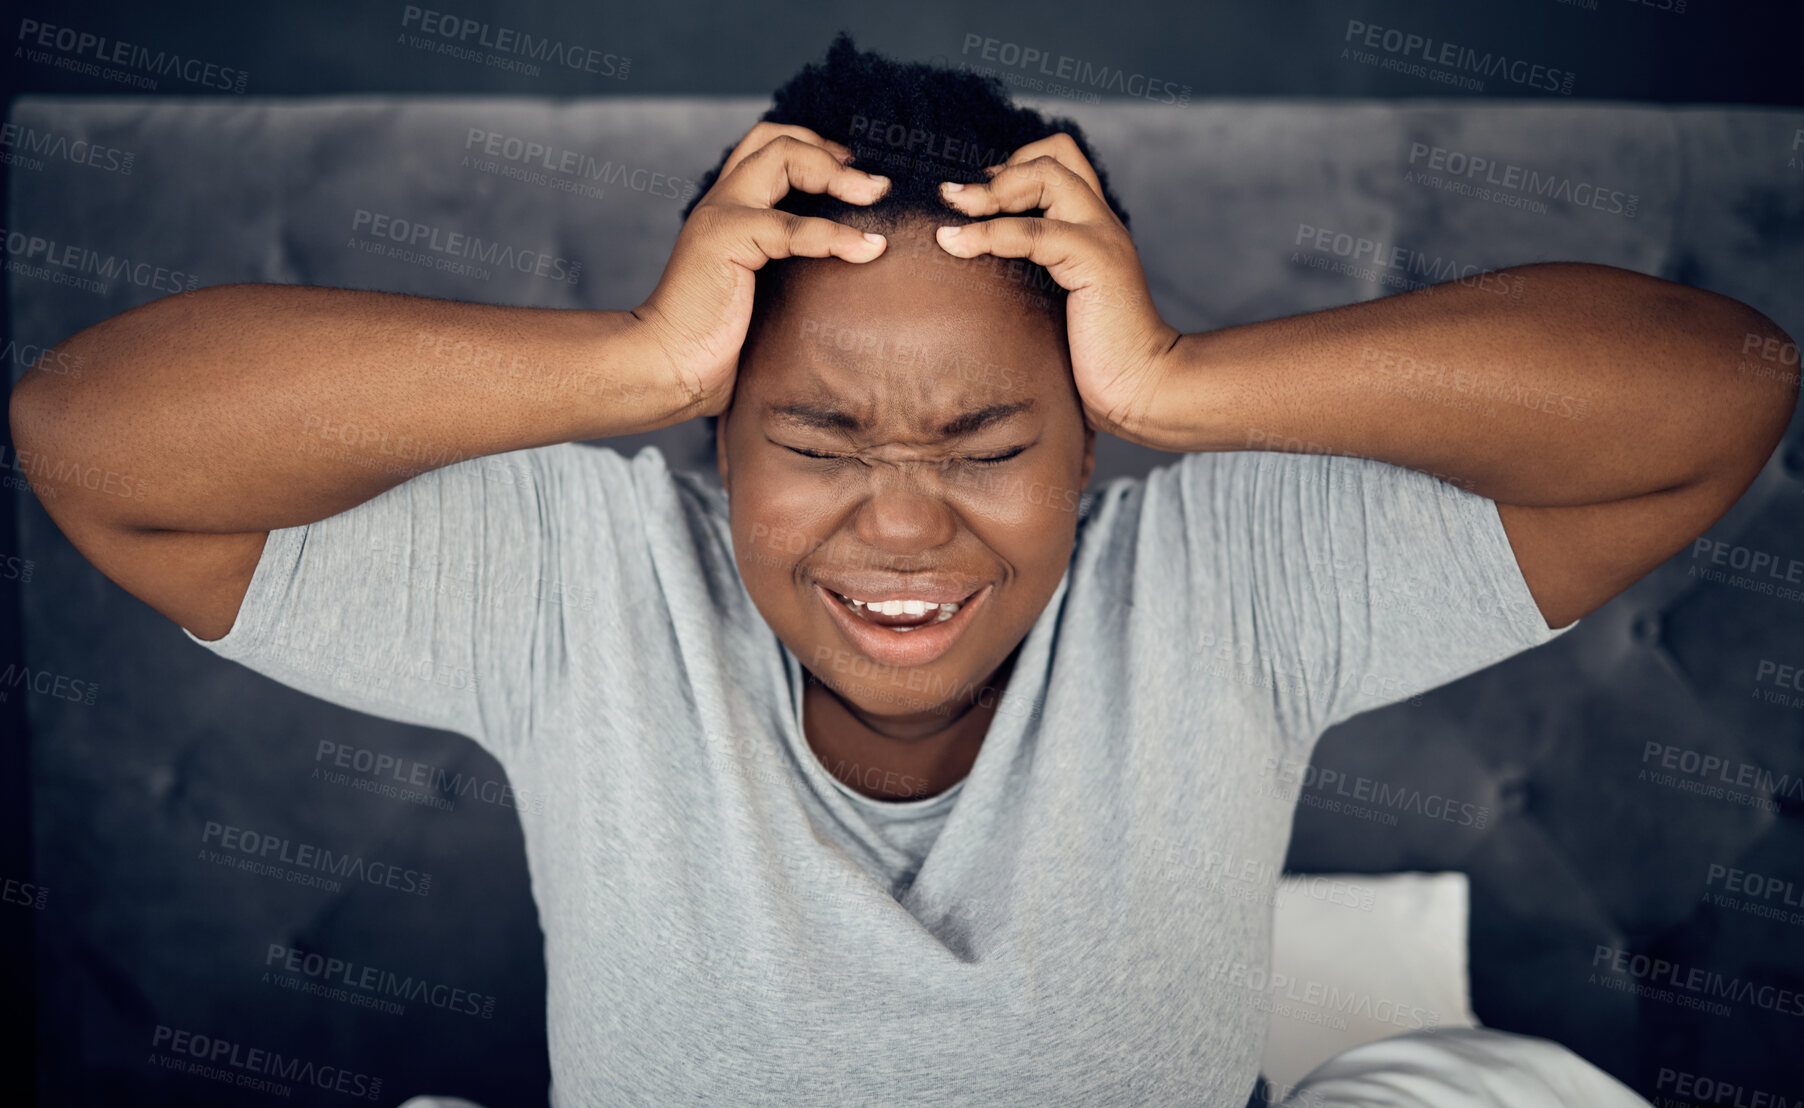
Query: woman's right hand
[697,317]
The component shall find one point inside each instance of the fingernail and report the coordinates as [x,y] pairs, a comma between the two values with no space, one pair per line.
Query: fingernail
[873,238]
[951,186]
[879,179]
[950,232]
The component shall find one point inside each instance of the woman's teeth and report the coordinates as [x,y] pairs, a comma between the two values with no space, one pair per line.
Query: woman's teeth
[902,607]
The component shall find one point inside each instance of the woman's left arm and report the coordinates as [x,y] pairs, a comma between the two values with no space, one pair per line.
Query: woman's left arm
[1611,415]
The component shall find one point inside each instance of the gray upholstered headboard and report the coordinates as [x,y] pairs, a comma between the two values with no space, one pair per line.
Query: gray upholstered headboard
[1599,829]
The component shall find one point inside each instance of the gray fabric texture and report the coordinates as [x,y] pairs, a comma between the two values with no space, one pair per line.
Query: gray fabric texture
[1083,920]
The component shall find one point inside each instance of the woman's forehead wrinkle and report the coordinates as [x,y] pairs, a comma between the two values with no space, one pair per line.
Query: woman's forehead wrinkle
[919,404]
[924,389]
[907,346]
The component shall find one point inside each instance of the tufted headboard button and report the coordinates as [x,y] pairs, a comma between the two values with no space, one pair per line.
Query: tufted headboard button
[1516,794]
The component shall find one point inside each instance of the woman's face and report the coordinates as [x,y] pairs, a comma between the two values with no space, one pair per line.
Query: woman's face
[904,430]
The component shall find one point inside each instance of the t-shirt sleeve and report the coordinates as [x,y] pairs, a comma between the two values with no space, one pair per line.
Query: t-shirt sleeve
[442,601]
[1358,583]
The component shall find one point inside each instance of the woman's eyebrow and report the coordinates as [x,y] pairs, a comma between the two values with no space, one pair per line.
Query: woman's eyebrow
[975,421]
[828,418]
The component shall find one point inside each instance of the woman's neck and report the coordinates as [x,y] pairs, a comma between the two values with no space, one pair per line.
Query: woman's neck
[909,757]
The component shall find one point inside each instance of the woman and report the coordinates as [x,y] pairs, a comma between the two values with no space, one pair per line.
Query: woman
[902,768]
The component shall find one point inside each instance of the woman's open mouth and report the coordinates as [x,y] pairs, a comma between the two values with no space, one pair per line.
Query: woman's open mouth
[901,615]
[902,632]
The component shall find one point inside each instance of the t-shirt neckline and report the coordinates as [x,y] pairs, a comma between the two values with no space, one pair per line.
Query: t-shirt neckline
[890,808]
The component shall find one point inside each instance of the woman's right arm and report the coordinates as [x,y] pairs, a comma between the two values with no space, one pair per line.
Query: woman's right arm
[201,421]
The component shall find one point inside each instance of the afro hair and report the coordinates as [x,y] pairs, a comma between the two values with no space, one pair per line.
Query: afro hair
[916,124]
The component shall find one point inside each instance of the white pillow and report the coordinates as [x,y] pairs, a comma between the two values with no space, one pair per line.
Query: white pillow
[1461,1067]
[1361,957]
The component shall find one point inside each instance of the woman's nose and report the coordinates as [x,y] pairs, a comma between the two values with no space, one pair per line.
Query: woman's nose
[904,510]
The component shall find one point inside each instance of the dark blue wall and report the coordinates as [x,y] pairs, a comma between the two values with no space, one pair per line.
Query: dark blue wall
[1673,51]
[1661,50]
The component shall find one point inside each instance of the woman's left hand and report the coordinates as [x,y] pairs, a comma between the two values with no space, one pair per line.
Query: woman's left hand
[1120,347]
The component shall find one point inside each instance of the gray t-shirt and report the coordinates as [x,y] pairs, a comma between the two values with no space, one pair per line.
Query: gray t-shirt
[1082,920]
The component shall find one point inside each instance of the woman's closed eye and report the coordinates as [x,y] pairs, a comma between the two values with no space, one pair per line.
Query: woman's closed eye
[991,459]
